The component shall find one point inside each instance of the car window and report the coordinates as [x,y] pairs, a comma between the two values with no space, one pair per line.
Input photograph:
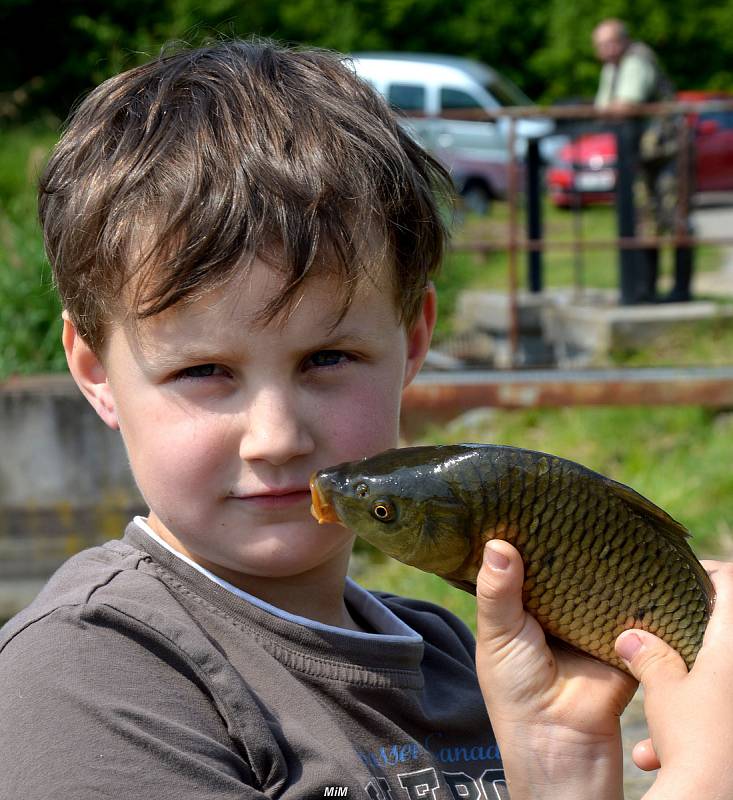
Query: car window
[457,100]
[723,118]
[507,93]
[406,96]
[457,104]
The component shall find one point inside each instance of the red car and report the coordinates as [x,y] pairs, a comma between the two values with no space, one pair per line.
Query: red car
[585,171]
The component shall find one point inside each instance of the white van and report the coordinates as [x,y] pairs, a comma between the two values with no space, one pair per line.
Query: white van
[432,92]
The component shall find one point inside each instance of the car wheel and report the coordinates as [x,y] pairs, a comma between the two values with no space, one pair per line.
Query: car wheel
[476,199]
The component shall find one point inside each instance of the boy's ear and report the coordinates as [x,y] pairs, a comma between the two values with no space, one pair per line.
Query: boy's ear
[420,335]
[89,373]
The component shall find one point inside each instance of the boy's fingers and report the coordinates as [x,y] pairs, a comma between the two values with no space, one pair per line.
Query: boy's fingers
[645,756]
[720,628]
[499,595]
[650,660]
[511,651]
[501,617]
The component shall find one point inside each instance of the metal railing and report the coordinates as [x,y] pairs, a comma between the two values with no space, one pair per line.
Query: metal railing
[626,242]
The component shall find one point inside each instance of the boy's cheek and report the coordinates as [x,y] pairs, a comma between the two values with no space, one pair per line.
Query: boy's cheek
[367,421]
[162,451]
[168,442]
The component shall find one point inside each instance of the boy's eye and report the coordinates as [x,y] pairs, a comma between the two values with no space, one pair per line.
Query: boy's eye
[326,358]
[201,371]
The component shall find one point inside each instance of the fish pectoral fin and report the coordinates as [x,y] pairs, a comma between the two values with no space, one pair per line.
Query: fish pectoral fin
[467,586]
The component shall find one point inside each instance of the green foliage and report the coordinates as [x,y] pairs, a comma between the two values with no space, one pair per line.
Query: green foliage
[543,46]
[30,321]
[708,342]
[29,310]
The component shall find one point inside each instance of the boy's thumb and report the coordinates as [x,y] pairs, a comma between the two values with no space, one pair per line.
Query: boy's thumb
[650,660]
[499,597]
[511,652]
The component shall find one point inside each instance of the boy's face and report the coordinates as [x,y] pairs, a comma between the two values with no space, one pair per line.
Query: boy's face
[224,419]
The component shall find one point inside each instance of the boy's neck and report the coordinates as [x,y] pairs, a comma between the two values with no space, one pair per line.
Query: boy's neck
[317,594]
[312,595]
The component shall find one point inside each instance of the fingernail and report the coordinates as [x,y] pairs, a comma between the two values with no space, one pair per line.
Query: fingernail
[494,558]
[628,646]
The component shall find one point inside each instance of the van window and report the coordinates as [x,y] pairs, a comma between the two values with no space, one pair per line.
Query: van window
[455,102]
[506,93]
[406,96]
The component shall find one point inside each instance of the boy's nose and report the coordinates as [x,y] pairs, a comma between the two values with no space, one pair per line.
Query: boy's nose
[275,431]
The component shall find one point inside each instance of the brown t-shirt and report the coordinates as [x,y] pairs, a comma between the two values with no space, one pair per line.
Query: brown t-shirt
[133,675]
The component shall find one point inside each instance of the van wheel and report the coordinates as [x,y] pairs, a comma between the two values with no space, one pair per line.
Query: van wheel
[476,199]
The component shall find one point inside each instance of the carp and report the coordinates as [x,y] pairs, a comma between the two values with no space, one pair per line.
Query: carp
[598,557]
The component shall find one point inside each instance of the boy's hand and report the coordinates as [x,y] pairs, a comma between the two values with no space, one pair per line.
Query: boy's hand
[690,715]
[555,713]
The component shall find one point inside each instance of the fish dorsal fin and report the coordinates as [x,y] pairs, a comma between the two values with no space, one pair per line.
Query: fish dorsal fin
[675,533]
[661,520]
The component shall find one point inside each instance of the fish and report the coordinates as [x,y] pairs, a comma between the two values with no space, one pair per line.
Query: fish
[599,558]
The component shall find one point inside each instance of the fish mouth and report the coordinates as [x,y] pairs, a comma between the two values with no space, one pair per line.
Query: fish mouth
[321,508]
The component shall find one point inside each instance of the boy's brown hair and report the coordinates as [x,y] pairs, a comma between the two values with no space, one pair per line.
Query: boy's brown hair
[180,171]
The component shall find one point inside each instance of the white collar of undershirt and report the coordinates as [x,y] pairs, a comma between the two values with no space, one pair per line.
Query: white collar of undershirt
[370,607]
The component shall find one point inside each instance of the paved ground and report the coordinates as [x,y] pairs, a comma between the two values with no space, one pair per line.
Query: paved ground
[633,728]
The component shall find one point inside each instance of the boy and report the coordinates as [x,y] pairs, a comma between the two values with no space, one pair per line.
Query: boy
[243,238]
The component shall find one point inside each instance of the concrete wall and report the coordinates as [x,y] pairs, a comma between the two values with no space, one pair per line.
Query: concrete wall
[64,482]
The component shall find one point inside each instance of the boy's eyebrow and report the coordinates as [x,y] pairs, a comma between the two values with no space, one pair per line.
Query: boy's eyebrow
[194,354]
[175,357]
[171,358]
[338,335]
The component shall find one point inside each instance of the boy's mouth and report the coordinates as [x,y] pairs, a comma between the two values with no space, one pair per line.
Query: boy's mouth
[274,499]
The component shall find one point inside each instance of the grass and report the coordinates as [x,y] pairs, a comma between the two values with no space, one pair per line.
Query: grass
[708,342]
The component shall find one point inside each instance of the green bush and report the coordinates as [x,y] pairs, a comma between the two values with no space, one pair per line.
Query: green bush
[30,322]
[29,310]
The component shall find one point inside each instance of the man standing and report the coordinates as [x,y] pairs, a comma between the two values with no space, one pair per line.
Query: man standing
[631,75]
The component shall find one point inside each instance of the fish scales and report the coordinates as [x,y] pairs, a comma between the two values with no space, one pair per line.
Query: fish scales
[598,557]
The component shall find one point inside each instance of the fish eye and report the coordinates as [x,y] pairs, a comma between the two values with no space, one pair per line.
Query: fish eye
[361,490]
[383,510]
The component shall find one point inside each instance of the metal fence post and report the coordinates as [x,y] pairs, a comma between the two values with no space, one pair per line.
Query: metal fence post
[534,215]
[629,258]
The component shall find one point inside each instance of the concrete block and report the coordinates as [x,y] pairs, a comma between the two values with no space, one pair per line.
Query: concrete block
[567,326]
[55,448]
[596,331]
[65,482]
[490,311]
